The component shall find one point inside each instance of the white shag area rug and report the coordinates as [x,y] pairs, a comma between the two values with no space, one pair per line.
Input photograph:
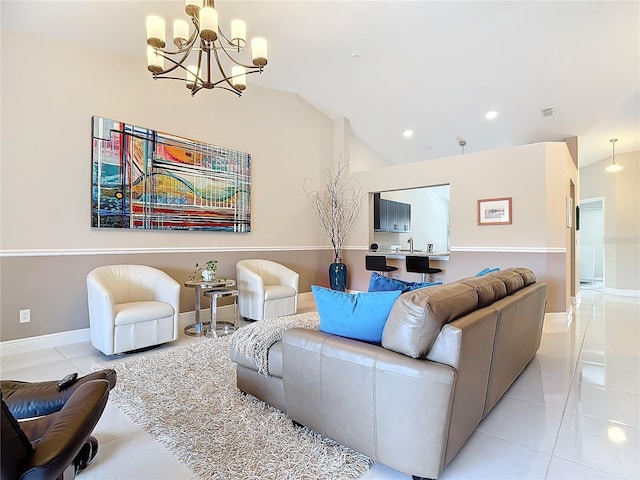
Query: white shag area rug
[187,399]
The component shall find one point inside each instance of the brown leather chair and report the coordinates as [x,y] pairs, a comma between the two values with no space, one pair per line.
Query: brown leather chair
[58,444]
[34,399]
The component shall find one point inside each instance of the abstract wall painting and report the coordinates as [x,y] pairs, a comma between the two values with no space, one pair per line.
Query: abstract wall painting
[145,179]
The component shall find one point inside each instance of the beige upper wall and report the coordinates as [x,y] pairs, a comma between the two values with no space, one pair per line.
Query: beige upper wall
[621,193]
[535,177]
[47,105]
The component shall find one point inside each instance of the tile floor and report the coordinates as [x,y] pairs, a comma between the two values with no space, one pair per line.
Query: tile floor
[574,413]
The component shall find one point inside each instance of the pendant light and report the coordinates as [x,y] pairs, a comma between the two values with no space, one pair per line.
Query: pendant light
[614,167]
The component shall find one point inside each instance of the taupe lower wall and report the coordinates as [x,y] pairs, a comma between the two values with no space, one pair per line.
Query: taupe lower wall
[54,287]
[548,267]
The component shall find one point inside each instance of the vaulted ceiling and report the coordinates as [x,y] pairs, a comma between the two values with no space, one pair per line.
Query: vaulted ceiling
[433,67]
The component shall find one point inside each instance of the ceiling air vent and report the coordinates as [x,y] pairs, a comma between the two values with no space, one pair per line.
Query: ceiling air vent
[548,111]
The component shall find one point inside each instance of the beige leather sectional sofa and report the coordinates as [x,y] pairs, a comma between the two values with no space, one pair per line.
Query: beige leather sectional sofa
[448,354]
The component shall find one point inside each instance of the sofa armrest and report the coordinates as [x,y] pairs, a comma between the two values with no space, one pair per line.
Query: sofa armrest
[166,289]
[466,344]
[102,312]
[287,276]
[388,406]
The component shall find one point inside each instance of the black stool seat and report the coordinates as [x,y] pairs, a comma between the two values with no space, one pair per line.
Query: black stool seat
[420,264]
[378,263]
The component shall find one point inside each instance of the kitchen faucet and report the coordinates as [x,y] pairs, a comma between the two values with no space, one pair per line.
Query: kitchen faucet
[410,242]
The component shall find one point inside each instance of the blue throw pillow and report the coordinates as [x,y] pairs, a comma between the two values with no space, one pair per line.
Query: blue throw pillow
[380,283]
[482,273]
[360,316]
[416,285]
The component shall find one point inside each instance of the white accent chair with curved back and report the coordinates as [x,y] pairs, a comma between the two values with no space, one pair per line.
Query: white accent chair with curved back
[131,307]
[266,289]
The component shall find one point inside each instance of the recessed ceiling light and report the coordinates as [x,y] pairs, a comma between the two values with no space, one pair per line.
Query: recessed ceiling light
[355,55]
[408,133]
[491,115]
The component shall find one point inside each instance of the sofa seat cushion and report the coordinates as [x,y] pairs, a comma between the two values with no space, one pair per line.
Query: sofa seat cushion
[418,316]
[360,316]
[489,289]
[274,292]
[136,312]
[274,360]
[512,280]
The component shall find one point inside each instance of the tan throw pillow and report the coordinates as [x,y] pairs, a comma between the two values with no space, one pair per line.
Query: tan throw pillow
[418,316]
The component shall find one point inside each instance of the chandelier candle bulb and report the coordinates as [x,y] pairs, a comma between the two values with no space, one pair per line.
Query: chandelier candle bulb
[155,31]
[155,62]
[192,7]
[238,33]
[259,51]
[180,33]
[208,24]
[239,80]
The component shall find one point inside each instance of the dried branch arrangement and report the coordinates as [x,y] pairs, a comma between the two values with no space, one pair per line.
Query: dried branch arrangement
[337,206]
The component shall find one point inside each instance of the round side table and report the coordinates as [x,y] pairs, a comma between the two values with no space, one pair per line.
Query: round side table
[199,328]
[221,328]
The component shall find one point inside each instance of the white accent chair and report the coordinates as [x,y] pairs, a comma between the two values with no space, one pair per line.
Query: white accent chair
[266,289]
[131,307]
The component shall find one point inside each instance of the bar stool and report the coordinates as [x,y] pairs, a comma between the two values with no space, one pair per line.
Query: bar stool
[420,264]
[221,328]
[378,263]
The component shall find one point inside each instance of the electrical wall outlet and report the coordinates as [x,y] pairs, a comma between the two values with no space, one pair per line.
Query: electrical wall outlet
[25,315]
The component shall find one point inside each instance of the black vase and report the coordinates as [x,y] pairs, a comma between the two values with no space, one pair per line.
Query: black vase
[338,275]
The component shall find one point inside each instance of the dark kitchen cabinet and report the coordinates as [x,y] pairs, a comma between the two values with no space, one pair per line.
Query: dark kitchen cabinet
[390,216]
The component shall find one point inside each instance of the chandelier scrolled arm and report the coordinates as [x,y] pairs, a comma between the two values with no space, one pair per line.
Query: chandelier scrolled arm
[207,39]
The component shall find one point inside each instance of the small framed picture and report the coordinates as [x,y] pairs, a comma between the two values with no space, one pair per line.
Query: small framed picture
[494,211]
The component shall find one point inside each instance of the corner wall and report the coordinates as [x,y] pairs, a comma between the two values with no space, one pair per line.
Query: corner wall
[537,178]
[47,243]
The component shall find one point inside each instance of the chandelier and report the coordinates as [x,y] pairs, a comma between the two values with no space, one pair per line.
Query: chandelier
[197,54]
[614,167]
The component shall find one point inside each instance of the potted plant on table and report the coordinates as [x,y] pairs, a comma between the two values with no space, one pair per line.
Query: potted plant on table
[337,209]
[206,271]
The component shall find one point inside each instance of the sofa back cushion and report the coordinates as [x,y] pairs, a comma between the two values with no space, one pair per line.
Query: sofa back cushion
[489,289]
[418,316]
[512,279]
[527,275]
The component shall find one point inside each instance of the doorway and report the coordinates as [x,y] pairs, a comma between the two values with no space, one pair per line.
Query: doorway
[592,244]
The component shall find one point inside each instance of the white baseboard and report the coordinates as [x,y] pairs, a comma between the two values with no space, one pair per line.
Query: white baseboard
[29,344]
[52,340]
